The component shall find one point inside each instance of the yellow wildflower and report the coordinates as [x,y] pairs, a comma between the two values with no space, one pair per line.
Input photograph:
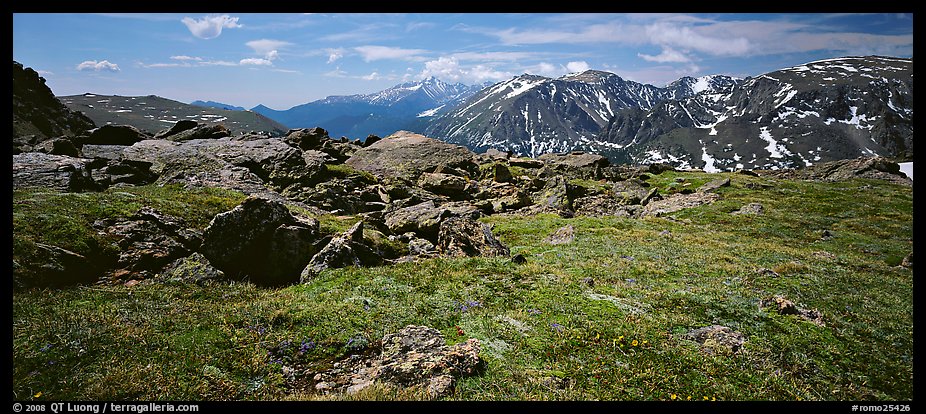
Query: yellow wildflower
[674,396]
[38,394]
[634,343]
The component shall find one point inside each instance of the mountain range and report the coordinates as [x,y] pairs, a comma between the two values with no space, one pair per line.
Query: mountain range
[798,116]
[405,106]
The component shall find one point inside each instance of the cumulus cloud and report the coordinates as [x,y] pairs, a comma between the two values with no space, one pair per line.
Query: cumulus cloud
[672,35]
[371,53]
[449,69]
[210,27]
[98,66]
[579,66]
[666,56]
[255,62]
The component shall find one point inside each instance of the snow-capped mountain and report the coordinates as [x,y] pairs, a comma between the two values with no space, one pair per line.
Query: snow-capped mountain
[710,84]
[404,106]
[815,112]
[532,114]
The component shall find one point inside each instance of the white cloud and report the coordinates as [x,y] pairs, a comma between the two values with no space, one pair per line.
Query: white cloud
[685,37]
[210,27]
[667,55]
[265,46]
[334,54]
[219,63]
[44,72]
[449,69]
[372,76]
[186,58]
[419,25]
[371,53]
[286,71]
[98,66]
[255,62]
[544,69]
[580,66]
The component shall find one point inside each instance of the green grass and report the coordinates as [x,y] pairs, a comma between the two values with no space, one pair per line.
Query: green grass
[546,333]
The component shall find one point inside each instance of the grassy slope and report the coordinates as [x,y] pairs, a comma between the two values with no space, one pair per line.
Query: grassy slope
[536,320]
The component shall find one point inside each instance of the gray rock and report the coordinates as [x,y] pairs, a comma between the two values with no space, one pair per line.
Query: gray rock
[58,146]
[306,138]
[677,202]
[443,184]
[261,240]
[563,235]
[717,339]
[347,249]
[751,208]
[215,131]
[496,154]
[194,268]
[423,219]
[632,191]
[421,247]
[783,306]
[407,155]
[555,196]
[462,236]
[61,172]
[714,185]
[148,241]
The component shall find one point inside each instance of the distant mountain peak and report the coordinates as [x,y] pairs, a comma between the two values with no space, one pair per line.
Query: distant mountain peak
[590,75]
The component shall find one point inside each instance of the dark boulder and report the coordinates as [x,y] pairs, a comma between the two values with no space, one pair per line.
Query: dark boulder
[58,146]
[215,131]
[306,138]
[260,239]
[181,126]
[113,135]
[347,249]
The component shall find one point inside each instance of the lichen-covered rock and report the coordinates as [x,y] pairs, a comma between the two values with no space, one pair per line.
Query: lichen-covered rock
[563,235]
[347,249]
[714,185]
[306,138]
[783,306]
[462,236]
[194,268]
[408,155]
[676,202]
[423,219]
[61,172]
[555,196]
[751,209]
[717,339]
[633,191]
[261,240]
[444,184]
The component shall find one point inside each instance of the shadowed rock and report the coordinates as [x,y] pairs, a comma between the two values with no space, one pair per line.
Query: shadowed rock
[347,249]
[261,240]
[61,172]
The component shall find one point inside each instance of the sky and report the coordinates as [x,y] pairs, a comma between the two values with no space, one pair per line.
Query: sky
[283,60]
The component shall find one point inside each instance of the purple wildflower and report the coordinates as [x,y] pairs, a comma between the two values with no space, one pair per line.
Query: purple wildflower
[556,327]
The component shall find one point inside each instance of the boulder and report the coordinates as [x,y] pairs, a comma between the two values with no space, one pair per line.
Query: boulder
[261,240]
[306,138]
[347,249]
[58,146]
[148,241]
[443,184]
[180,126]
[114,135]
[497,155]
[61,172]
[407,155]
[370,140]
[577,163]
[676,202]
[415,357]
[421,247]
[462,236]
[215,131]
[53,266]
[555,196]
[783,306]
[604,206]
[714,185]
[422,219]
[194,268]
[632,191]
[499,173]
[863,167]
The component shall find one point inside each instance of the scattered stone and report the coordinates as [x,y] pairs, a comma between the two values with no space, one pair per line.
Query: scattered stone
[563,235]
[824,255]
[677,202]
[525,162]
[463,236]
[826,235]
[421,247]
[767,272]
[589,282]
[714,185]
[786,307]
[518,259]
[716,339]
[750,173]
[660,167]
[751,208]
[863,167]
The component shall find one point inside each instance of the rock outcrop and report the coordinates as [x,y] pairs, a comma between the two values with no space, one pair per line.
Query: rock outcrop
[407,155]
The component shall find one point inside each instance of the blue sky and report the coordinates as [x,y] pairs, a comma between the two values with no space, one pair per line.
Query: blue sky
[282,60]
